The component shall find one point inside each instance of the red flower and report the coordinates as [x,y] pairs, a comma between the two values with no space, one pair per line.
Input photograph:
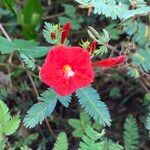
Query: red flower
[65,32]
[110,62]
[67,69]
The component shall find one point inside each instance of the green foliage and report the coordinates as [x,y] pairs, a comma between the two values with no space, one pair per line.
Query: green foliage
[30,17]
[90,101]
[28,48]
[110,8]
[39,111]
[10,5]
[80,125]
[71,17]
[130,133]
[61,142]
[141,59]
[48,32]
[12,125]
[90,140]
[115,92]
[29,61]
[26,141]
[147,99]
[102,39]
[5,46]
[64,100]
[8,124]
[147,123]
[2,145]
[35,52]
[138,31]
[110,145]
[133,72]
[96,141]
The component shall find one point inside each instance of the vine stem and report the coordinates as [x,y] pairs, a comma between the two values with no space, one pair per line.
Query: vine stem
[30,78]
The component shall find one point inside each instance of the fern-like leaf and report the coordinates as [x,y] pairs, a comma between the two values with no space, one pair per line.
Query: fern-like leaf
[147,123]
[52,29]
[38,112]
[110,8]
[12,125]
[90,101]
[110,145]
[89,141]
[61,142]
[29,61]
[65,100]
[130,133]
[141,59]
[4,114]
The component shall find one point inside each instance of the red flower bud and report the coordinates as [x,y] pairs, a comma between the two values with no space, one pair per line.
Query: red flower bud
[65,32]
[53,36]
[92,46]
[110,62]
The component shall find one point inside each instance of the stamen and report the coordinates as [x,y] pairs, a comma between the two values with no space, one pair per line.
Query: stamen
[68,70]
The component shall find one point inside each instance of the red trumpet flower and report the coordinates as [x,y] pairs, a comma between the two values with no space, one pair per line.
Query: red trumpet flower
[65,32]
[67,69]
[110,62]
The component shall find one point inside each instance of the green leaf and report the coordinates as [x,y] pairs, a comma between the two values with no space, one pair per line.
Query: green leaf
[78,133]
[90,101]
[35,52]
[29,61]
[141,59]
[12,125]
[70,10]
[130,134]
[138,11]
[61,142]
[8,124]
[52,29]
[110,145]
[5,46]
[147,123]
[28,48]
[89,141]
[133,72]
[113,9]
[115,92]
[75,123]
[10,6]
[65,100]
[71,17]
[84,117]
[2,145]
[38,112]
[4,114]
[138,31]
[30,17]
[24,44]
[79,124]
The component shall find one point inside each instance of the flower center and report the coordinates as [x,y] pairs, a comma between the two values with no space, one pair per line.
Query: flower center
[68,70]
